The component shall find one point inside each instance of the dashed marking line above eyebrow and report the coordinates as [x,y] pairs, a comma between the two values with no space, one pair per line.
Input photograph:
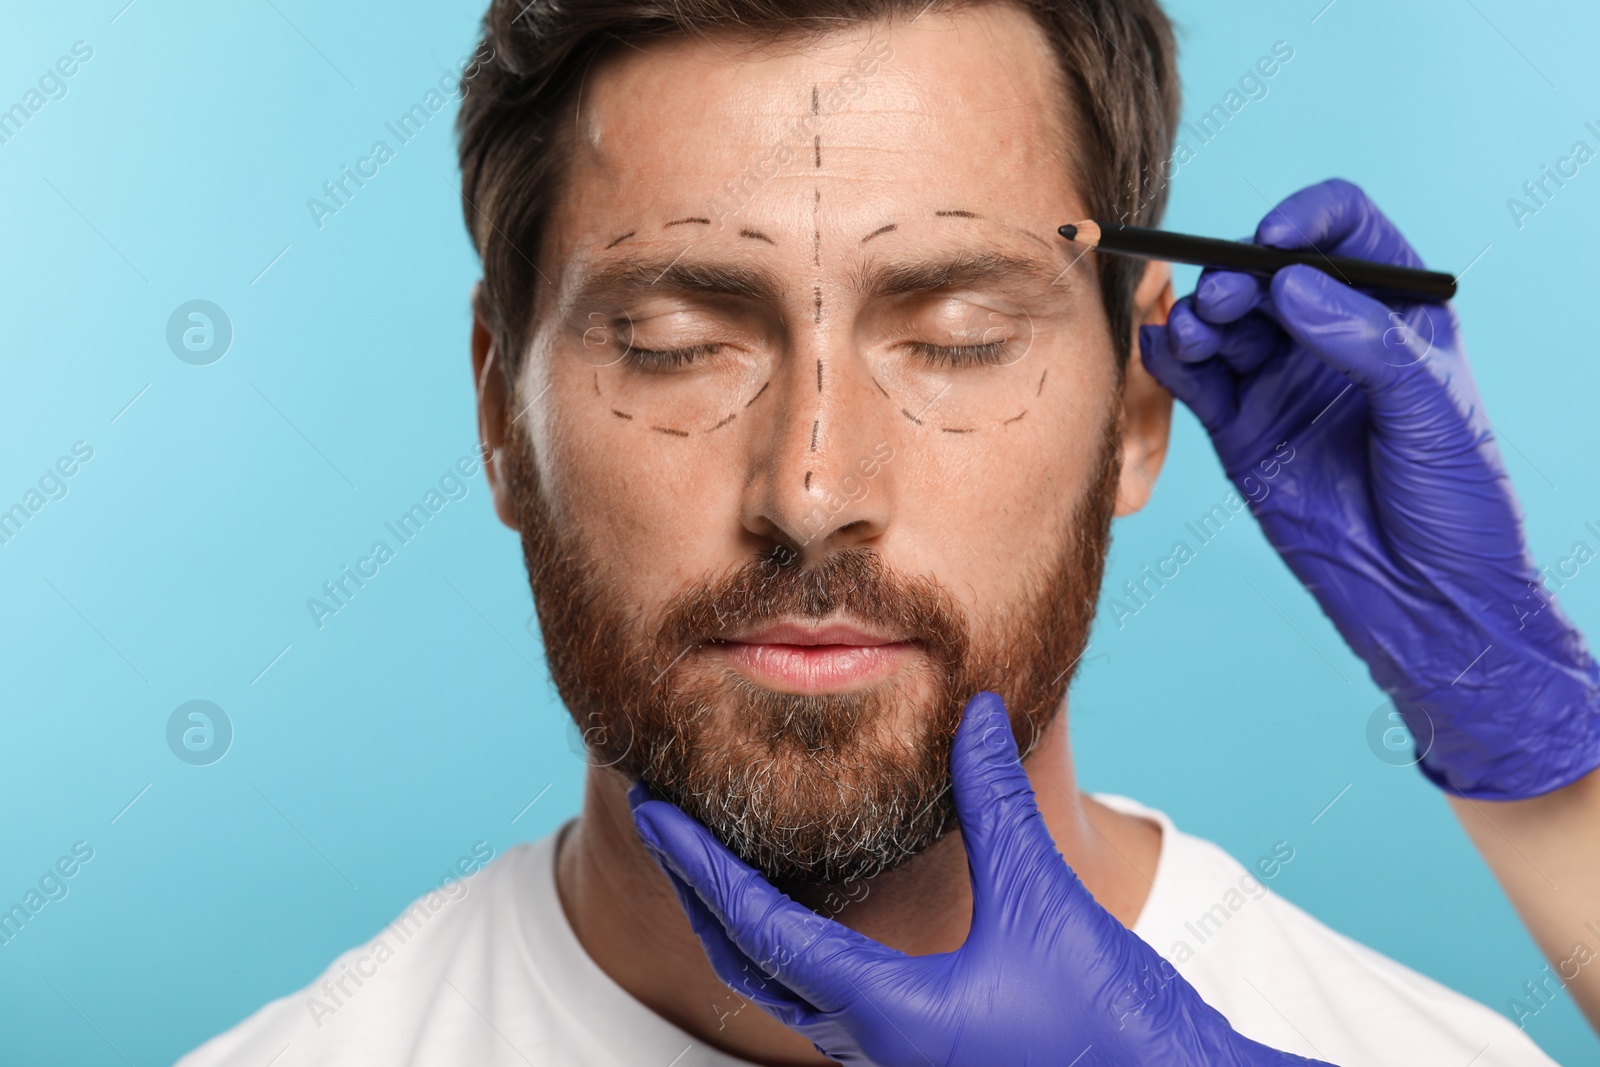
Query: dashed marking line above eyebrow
[757,235]
[621,239]
[880,231]
[670,430]
[698,219]
[753,399]
[957,215]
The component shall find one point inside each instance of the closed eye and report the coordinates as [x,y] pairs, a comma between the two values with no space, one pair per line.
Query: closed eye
[666,359]
[991,354]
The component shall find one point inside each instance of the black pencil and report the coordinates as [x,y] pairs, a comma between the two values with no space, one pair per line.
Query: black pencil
[1259,259]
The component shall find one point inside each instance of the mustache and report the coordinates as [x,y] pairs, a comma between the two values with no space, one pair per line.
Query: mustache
[851,582]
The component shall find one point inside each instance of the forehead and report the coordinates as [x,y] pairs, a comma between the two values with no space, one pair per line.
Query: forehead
[952,112]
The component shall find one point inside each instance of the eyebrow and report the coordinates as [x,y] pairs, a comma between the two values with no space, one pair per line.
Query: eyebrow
[959,270]
[680,275]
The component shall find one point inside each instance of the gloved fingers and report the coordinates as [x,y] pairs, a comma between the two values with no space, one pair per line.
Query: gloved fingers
[1208,387]
[1243,345]
[1365,340]
[736,970]
[1337,218]
[1223,296]
[1009,848]
[819,960]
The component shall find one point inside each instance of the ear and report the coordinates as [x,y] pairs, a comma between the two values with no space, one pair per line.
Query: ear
[1146,406]
[493,398]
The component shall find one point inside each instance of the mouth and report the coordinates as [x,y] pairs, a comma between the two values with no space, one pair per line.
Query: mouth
[814,658]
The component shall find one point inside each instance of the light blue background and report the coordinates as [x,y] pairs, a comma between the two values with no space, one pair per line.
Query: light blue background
[375,752]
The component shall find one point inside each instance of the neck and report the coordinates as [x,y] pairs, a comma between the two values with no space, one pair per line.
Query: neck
[623,911]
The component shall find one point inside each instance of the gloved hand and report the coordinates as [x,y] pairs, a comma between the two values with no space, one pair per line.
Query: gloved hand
[1045,976]
[1394,507]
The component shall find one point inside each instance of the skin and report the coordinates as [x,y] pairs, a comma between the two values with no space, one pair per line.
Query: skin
[659,131]
[1554,885]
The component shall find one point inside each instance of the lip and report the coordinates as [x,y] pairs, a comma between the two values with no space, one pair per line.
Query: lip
[814,659]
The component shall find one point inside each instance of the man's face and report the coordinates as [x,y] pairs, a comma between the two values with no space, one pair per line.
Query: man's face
[818,432]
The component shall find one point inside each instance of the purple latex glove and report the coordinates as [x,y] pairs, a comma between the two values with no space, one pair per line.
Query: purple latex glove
[1045,977]
[1395,510]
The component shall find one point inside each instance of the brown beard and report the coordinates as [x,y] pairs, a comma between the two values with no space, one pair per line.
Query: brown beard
[808,789]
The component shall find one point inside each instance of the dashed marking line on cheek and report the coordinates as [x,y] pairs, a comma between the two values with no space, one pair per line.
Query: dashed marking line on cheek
[596,383]
[753,399]
[1014,418]
[621,239]
[881,389]
[910,416]
[816,101]
[621,414]
[723,423]
[1040,391]
[671,431]
[808,481]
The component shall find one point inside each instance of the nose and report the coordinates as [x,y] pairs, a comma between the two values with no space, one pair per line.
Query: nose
[822,477]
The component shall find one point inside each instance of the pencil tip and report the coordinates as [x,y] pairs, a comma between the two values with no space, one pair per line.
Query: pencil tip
[1069,231]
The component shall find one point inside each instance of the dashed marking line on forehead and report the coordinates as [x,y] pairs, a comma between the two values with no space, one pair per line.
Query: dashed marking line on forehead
[957,213]
[948,429]
[756,235]
[816,150]
[817,300]
[880,231]
[819,375]
[621,239]
[816,227]
[698,220]
[669,430]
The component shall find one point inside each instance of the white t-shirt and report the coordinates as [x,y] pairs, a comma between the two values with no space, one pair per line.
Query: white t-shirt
[495,977]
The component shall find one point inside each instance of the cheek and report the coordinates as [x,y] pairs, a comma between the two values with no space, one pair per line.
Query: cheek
[647,509]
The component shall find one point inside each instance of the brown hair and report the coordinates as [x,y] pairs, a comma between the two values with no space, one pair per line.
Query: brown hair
[1117,57]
